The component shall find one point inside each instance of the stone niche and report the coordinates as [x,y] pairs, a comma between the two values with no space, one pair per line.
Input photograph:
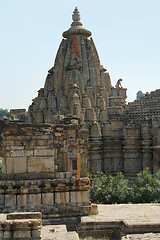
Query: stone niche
[45,169]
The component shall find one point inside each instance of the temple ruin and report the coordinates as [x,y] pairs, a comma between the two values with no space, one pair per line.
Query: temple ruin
[78,123]
[122,137]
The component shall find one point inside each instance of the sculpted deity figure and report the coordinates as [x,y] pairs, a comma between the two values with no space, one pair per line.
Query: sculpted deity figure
[118,86]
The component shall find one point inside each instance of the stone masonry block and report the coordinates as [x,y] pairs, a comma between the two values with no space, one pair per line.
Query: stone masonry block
[20,165]
[40,137]
[1,234]
[43,152]
[7,235]
[12,147]
[33,200]
[62,197]
[9,165]
[4,169]
[16,165]
[85,196]
[10,200]
[24,215]
[41,164]
[37,142]
[22,234]
[36,234]
[21,200]
[8,153]
[68,174]
[17,153]
[1,200]
[47,199]
[29,153]
[76,197]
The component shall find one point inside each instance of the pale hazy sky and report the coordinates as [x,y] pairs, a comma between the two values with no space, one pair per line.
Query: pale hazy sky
[126,34]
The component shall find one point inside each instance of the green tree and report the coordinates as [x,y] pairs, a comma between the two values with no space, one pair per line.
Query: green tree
[4,112]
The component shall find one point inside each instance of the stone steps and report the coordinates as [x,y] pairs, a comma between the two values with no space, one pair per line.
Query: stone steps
[118,229]
[58,232]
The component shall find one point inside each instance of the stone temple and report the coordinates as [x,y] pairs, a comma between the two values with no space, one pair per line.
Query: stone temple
[122,137]
[78,123]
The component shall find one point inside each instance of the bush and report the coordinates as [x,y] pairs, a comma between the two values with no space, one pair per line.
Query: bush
[114,189]
[145,188]
[4,112]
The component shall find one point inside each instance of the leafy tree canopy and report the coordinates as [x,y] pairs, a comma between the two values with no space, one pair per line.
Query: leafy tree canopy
[4,112]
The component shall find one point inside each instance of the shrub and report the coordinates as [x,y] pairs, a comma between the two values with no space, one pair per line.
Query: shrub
[145,188]
[112,189]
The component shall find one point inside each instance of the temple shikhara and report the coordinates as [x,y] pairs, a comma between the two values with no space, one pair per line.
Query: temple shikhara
[121,137]
[78,123]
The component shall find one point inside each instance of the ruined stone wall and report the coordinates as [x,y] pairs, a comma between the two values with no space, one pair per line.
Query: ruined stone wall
[34,151]
[21,226]
[55,198]
[45,169]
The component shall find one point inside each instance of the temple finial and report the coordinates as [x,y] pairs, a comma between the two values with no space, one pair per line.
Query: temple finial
[76,15]
[76,26]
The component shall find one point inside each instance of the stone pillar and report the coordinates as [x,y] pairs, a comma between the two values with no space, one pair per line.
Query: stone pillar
[146,146]
[95,153]
[112,133]
[132,151]
[156,144]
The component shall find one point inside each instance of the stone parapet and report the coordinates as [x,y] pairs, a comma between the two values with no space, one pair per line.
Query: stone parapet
[53,197]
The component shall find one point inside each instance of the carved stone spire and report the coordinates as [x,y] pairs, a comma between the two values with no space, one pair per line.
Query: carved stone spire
[76,27]
[72,78]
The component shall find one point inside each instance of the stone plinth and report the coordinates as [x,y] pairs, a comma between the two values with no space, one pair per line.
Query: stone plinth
[20,227]
[45,169]
[53,197]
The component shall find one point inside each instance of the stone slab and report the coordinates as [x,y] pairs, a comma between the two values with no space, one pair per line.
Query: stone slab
[130,219]
[24,215]
[147,236]
[10,200]
[48,199]
[41,164]
[58,233]
[16,165]
[62,197]
[130,213]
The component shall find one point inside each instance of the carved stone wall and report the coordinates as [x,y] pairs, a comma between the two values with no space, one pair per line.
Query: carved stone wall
[44,169]
[56,198]
[131,147]
[34,151]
